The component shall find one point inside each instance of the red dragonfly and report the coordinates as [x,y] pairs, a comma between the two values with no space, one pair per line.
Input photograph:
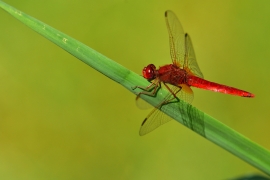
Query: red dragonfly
[178,76]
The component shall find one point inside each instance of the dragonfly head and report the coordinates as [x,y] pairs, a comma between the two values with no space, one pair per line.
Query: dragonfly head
[149,72]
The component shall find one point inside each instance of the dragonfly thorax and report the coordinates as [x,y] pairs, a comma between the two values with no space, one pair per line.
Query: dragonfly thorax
[172,74]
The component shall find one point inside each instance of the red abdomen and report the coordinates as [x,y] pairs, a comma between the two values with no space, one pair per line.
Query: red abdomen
[204,84]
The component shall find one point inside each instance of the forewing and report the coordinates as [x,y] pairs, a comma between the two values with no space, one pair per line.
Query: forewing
[190,62]
[177,39]
[156,117]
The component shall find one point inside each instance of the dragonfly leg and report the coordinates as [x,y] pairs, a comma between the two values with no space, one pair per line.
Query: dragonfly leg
[148,90]
[173,93]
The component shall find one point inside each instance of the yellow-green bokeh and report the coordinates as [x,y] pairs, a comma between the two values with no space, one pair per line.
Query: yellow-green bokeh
[60,119]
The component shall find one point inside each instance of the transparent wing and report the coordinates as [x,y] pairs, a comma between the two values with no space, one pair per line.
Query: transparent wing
[177,39]
[190,62]
[181,49]
[156,117]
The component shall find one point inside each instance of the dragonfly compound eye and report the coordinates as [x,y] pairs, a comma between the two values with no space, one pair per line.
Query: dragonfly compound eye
[149,72]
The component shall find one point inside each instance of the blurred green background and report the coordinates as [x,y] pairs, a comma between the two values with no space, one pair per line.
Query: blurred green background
[60,119]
